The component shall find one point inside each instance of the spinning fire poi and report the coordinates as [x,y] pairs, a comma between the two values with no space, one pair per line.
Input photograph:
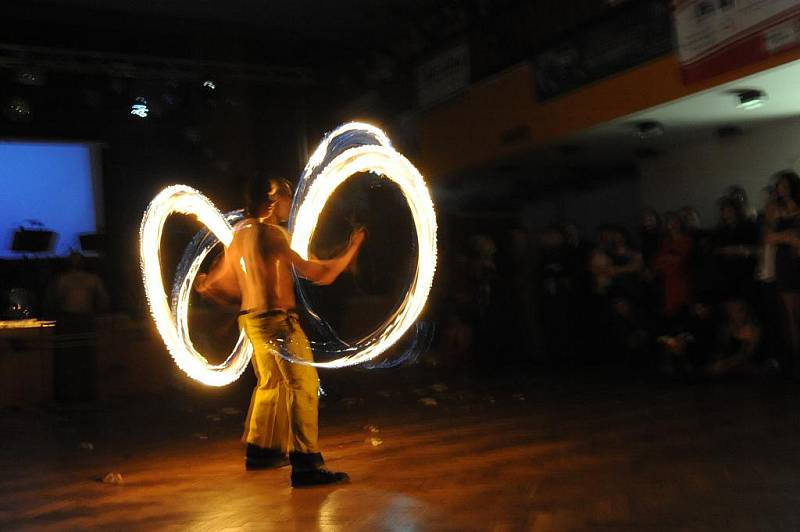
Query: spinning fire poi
[260,263]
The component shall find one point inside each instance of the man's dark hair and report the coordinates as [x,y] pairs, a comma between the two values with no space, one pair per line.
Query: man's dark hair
[262,191]
[255,194]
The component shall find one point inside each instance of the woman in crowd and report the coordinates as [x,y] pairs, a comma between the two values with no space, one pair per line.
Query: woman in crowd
[650,235]
[672,264]
[733,249]
[786,238]
[556,291]
[768,304]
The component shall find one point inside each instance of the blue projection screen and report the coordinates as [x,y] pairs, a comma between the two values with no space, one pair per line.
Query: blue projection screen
[49,182]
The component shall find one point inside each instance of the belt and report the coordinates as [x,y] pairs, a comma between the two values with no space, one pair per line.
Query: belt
[292,313]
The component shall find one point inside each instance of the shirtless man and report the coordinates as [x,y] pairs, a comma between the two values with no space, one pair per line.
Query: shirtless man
[257,267]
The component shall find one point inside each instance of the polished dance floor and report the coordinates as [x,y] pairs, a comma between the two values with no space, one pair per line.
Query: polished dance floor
[543,452]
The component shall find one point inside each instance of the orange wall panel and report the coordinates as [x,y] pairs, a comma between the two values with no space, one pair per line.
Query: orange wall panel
[466,131]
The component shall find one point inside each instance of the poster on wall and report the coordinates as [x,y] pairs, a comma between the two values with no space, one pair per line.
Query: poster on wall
[443,76]
[630,34]
[715,36]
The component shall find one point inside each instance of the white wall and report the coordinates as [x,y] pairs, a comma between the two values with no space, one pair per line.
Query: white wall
[611,202]
[697,174]
[539,214]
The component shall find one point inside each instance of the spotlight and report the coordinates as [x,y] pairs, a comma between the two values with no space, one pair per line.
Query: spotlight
[647,129]
[210,85]
[140,108]
[17,110]
[750,98]
[29,76]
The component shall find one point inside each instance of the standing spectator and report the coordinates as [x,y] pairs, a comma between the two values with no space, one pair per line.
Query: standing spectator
[601,264]
[556,294]
[483,272]
[786,238]
[75,298]
[578,254]
[650,235]
[672,263]
[627,266]
[453,301]
[629,321]
[701,273]
[519,291]
[486,315]
[733,247]
[615,270]
[768,301]
[691,220]
[738,195]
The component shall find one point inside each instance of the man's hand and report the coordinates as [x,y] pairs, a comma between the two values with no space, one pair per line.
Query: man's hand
[219,288]
[357,237]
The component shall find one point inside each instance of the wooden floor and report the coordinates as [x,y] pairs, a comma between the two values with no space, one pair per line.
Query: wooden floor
[545,453]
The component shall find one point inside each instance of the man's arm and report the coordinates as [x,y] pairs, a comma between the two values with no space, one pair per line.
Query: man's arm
[220,283]
[788,237]
[320,272]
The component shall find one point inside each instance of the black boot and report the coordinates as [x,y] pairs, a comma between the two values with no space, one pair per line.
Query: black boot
[307,471]
[317,477]
[264,458]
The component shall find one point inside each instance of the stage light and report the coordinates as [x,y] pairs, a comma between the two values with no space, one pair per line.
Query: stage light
[17,110]
[209,84]
[140,108]
[30,76]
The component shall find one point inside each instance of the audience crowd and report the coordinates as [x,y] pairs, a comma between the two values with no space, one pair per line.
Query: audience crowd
[669,294]
[678,297]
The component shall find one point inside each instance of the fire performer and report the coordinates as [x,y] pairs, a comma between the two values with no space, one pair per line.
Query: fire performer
[257,267]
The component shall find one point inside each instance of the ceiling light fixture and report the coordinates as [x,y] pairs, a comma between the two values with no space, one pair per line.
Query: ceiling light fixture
[750,98]
[647,129]
[139,107]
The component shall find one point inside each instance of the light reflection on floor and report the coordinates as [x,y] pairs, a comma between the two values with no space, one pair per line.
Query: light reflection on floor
[572,455]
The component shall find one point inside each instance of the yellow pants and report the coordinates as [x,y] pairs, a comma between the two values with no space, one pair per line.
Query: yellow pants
[284,408]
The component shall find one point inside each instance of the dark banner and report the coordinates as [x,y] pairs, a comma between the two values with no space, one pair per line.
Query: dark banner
[629,35]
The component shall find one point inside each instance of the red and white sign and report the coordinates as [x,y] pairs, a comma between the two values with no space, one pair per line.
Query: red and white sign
[715,36]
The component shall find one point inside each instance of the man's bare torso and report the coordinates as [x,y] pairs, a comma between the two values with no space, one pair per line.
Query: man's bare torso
[263,272]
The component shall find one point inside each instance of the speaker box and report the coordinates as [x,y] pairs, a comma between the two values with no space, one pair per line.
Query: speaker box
[33,241]
[93,242]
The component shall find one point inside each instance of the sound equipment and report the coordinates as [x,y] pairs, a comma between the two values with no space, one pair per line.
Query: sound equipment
[33,240]
[93,242]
